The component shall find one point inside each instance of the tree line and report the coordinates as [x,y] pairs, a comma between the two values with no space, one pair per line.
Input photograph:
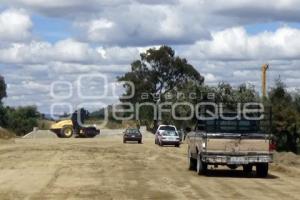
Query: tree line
[19,120]
[161,72]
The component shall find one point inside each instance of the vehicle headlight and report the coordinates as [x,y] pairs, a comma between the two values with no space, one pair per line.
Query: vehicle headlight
[203,145]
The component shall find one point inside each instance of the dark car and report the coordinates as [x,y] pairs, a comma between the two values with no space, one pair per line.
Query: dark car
[132,134]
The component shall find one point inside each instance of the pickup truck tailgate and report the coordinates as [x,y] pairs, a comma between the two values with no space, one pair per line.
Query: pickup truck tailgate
[237,145]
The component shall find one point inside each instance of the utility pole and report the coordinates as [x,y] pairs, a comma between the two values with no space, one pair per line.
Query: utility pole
[264,69]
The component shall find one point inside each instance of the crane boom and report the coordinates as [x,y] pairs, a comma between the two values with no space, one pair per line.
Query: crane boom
[265,67]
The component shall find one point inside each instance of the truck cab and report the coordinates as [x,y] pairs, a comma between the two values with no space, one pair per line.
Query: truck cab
[233,143]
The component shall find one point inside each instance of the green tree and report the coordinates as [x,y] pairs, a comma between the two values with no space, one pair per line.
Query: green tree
[21,120]
[286,117]
[158,71]
[3,115]
[2,88]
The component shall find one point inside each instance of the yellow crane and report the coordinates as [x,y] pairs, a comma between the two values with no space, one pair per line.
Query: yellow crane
[264,69]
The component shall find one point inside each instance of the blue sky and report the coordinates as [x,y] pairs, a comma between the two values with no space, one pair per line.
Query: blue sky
[51,29]
[59,40]
[271,26]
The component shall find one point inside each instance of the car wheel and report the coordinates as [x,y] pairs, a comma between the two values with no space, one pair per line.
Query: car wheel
[67,132]
[140,141]
[262,170]
[177,145]
[201,166]
[124,141]
[192,163]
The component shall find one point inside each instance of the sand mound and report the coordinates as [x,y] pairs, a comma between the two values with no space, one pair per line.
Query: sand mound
[287,158]
[40,134]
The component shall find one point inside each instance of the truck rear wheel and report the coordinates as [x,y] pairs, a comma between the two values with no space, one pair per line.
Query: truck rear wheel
[262,170]
[67,132]
[192,163]
[201,166]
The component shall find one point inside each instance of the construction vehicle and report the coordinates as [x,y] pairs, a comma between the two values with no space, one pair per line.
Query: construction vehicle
[74,127]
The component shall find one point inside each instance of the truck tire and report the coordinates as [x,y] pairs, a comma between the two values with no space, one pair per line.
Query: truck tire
[262,170]
[67,132]
[192,163]
[161,143]
[247,169]
[201,166]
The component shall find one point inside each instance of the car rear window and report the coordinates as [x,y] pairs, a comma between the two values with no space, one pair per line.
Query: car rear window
[133,131]
[167,128]
[169,133]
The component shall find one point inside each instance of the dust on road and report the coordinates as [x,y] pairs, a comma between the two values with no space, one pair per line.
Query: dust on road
[105,168]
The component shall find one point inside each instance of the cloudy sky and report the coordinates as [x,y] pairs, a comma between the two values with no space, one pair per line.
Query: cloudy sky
[46,45]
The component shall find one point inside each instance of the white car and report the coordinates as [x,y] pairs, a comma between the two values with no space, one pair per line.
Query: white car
[167,135]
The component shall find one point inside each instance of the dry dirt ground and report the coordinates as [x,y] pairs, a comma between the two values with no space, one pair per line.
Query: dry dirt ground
[105,168]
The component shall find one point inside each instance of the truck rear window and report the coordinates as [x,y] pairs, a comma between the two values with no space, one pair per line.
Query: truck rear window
[232,126]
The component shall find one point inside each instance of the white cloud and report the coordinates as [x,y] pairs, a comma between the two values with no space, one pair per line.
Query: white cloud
[142,25]
[236,44]
[108,35]
[210,78]
[66,51]
[15,25]
[70,50]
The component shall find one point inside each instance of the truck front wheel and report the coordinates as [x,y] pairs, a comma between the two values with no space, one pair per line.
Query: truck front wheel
[66,132]
[247,169]
[262,170]
[201,166]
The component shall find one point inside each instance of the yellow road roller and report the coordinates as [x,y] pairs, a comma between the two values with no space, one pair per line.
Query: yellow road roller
[71,127]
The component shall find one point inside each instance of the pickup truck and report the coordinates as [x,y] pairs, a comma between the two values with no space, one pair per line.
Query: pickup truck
[232,143]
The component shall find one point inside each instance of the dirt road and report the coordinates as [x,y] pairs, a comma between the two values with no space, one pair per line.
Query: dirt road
[104,168]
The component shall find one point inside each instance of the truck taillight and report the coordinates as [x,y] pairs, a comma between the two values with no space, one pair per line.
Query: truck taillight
[272,146]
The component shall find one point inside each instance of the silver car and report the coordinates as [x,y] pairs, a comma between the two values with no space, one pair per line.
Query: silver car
[167,135]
